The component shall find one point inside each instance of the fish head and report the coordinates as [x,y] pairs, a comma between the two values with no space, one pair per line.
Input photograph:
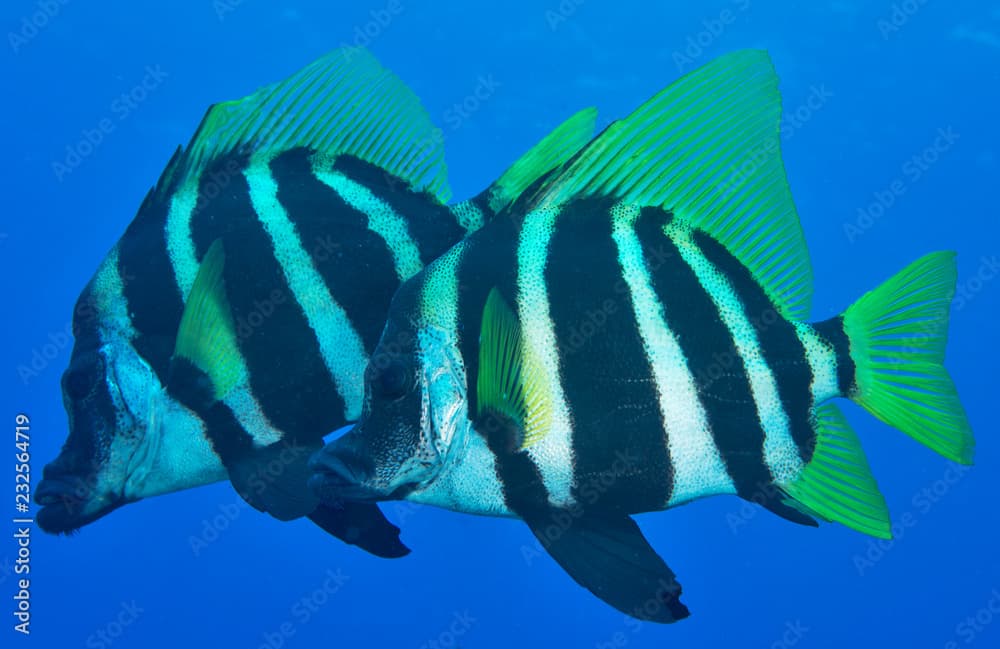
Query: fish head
[106,392]
[413,422]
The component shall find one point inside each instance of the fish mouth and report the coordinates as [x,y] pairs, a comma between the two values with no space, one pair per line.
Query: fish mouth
[336,480]
[64,510]
[339,476]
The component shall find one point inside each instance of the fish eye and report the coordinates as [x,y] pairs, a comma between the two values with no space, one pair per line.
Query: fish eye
[80,380]
[392,381]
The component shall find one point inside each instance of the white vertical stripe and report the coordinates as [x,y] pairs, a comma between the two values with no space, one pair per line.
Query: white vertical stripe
[341,347]
[382,219]
[108,292]
[468,215]
[181,250]
[698,469]
[468,481]
[780,451]
[553,454]
[180,244]
[822,361]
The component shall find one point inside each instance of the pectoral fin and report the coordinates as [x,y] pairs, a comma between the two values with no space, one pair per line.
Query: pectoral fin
[609,556]
[274,479]
[206,337]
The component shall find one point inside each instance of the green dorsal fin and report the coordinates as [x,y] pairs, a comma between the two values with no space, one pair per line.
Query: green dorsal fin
[837,483]
[345,103]
[552,151]
[708,149]
[206,336]
[511,381]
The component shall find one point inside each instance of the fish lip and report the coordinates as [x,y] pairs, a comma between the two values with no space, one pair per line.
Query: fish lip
[61,508]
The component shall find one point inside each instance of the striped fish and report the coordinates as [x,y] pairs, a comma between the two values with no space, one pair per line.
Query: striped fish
[632,335]
[229,328]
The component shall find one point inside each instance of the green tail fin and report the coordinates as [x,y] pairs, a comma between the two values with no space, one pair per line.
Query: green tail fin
[897,335]
[837,484]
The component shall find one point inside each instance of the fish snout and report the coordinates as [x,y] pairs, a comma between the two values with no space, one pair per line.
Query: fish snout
[341,472]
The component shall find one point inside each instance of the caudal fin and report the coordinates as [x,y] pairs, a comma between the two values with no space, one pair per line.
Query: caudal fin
[897,335]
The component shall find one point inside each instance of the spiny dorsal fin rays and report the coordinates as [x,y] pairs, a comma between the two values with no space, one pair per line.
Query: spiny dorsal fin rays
[206,336]
[707,148]
[345,103]
[553,150]
[511,381]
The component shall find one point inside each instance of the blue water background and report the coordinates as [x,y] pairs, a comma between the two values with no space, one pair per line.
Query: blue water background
[874,84]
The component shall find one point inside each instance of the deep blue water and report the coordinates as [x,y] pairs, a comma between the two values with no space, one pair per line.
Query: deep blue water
[870,85]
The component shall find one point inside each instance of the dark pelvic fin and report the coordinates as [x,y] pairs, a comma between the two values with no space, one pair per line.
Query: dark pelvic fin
[609,556]
[274,479]
[363,525]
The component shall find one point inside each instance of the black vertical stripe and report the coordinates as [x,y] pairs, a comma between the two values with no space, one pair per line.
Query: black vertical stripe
[621,456]
[489,260]
[431,224]
[356,263]
[151,293]
[783,351]
[720,376]
[287,372]
[832,331]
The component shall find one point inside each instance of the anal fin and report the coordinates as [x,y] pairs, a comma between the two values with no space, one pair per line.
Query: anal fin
[837,483]
[609,556]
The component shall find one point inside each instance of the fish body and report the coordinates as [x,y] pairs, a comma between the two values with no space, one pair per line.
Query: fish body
[631,335]
[317,197]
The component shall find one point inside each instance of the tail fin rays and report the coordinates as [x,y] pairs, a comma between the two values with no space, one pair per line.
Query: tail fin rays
[897,336]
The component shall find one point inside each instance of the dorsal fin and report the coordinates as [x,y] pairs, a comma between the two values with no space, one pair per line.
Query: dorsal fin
[708,149]
[345,103]
[550,153]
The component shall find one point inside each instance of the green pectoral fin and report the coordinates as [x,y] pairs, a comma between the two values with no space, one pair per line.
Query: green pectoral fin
[206,337]
[609,556]
[551,152]
[345,103]
[837,484]
[511,379]
[708,149]
[274,479]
